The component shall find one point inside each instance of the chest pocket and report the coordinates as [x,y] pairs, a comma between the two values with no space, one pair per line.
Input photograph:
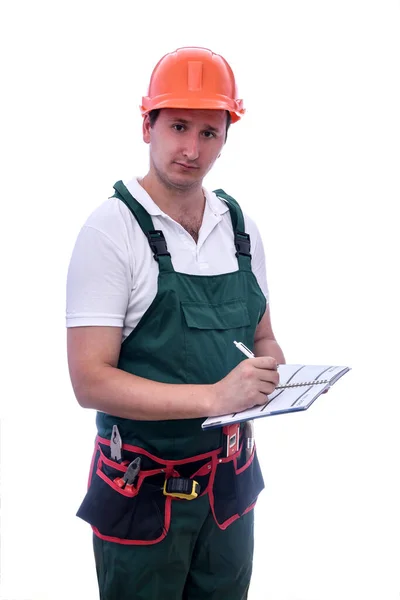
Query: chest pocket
[209,333]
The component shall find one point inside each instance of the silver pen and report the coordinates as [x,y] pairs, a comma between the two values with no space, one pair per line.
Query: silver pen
[244,349]
[240,346]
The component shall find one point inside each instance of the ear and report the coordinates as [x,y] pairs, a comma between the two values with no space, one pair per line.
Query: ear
[146,129]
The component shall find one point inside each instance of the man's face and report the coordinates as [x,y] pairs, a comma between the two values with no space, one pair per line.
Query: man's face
[184,144]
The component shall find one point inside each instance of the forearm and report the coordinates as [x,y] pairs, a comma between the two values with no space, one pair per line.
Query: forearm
[122,394]
[269,347]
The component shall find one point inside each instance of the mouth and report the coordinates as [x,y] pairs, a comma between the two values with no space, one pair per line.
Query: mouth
[186,166]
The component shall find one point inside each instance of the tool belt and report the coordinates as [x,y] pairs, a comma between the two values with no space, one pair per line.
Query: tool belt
[140,512]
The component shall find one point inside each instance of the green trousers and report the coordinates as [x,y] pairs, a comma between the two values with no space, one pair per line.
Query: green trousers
[195,561]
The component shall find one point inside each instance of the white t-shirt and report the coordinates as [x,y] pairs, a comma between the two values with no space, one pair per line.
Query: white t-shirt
[112,276]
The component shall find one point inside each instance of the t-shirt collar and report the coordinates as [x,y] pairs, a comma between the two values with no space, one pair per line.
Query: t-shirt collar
[216,206]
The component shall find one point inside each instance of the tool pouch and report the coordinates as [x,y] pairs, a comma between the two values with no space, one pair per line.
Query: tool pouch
[139,516]
[236,486]
[142,514]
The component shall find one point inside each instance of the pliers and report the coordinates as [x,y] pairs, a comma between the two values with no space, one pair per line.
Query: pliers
[126,482]
[116,444]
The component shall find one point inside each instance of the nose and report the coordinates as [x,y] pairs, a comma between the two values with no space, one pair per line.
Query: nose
[191,148]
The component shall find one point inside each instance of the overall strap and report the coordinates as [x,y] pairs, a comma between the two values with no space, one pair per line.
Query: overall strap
[242,239]
[155,237]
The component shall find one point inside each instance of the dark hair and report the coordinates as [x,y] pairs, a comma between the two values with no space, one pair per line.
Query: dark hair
[153,116]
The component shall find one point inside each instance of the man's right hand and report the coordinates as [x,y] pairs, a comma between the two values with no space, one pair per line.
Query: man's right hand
[247,385]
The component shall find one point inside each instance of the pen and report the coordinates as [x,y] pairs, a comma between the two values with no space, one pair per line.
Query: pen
[246,351]
[240,346]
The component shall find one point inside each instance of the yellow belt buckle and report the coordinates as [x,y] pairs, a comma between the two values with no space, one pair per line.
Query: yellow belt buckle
[178,487]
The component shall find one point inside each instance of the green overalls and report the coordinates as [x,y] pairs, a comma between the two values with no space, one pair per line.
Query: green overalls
[152,546]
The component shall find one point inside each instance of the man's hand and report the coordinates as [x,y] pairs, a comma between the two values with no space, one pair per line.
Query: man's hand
[247,385]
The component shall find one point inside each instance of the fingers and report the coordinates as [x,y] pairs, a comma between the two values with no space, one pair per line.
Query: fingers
[265,369]
[266,387]
[265,362]
[269,376]
[261,399]
[259,381]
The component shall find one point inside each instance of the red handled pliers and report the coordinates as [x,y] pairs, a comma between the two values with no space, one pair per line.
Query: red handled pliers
[126,482]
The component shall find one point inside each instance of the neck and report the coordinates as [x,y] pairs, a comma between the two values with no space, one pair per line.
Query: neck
[173,200]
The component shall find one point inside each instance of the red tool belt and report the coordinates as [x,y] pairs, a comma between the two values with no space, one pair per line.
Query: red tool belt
[140,512]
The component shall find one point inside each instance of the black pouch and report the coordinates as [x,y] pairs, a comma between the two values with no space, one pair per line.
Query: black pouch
[236,487]
[140,516]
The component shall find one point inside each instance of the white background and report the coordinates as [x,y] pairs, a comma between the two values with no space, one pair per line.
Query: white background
[316,162]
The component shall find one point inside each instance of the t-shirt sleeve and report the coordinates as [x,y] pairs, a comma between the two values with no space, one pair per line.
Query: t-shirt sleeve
[99,281]
[257,256]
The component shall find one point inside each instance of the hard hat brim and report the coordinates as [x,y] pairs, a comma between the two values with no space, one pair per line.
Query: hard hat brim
[234,107]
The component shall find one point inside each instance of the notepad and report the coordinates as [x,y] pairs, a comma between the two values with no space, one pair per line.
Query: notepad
[299,386]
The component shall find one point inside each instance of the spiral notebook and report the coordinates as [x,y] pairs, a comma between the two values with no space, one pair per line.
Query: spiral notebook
[299,386]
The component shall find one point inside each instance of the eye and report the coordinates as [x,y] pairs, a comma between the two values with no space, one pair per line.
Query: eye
[178,127]
[209,134]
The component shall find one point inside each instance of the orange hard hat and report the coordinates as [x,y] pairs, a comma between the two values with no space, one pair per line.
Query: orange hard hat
[193,78]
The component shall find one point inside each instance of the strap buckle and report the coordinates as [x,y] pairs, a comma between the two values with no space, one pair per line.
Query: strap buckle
[181,487]
[157,243]
[242,243]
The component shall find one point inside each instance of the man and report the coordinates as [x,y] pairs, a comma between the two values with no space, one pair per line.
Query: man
[164,277]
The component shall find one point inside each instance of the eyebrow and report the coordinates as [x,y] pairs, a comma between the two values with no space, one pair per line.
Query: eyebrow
[186,122]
